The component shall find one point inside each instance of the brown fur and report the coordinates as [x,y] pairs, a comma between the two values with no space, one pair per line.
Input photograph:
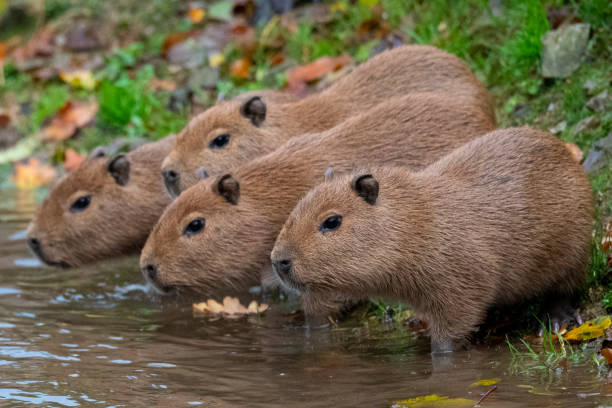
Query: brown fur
[397,72]
[503,218]
[119,218]
[233,250]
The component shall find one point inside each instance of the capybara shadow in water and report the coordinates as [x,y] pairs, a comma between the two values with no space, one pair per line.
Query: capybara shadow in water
[218,234]
[104,208]
[235,132]
[503,218]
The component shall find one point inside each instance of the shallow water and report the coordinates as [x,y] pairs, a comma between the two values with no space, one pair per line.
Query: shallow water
[93,337]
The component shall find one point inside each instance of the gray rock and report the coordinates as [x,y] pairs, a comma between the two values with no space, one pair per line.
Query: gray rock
[563,49]
[586,124]
[600,102]
[558,128]
[589,86]
[600,155]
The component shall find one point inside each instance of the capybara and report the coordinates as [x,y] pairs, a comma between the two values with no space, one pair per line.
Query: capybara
[503,218]
[232,133]
[106,207]
[219,233]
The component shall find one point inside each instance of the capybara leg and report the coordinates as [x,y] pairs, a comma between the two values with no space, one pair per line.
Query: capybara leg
[559,311]
[441,346]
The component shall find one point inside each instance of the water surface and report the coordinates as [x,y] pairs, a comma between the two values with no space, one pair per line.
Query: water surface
[93,337]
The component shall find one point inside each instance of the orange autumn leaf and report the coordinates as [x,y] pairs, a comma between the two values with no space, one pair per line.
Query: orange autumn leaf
[70,117]
[30,174]
[176,38]
[196,15]
[240,68]
[575,151]
[315,70]
[72,160]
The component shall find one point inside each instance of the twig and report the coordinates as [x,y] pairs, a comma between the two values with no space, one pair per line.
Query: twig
[485,395]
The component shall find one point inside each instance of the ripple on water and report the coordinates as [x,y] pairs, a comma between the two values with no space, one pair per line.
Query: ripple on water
[22,352]
[28,262]
[38,398]
[9,291]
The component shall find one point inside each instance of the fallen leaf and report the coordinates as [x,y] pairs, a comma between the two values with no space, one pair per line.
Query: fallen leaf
[369,3]
[315,70]
[575,151]
[40,44]
[196,15]
[433,401]
[156,84]
[72,160]
[533,390]
[487,382]
[4,120]
[606,350]
[79,79]
[240,68]
[221,10]
[70,117]
[176,38]
[338,6]
[589,330]
[30,174]
[231,307]
[216,59]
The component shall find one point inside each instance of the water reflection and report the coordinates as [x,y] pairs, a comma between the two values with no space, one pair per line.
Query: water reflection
[93,337]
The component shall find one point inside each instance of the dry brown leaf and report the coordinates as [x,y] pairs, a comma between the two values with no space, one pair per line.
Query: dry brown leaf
[30,174]
[575,151]
[72,160]
[606,350]
[40,44]
[70,117]
[315,70]
[5,120]
[176,38]
[214,306]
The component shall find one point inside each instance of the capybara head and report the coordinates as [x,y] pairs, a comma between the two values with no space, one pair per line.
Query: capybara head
[211,209]
[333,236]
[105,208]
[224,136]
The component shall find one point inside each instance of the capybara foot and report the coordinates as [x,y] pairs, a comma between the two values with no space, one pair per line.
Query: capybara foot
[559,313]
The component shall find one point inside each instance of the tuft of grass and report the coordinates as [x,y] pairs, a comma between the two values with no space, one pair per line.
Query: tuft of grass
[53,98]
[129,107]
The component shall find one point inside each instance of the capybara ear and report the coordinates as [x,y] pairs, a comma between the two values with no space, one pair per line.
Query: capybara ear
[229,188]
[98,151]
[255,110]
[366,186]
[119,168]
[329,174]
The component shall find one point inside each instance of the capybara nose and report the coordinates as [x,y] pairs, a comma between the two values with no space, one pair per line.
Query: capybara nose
[34,245]
[283,267]
[171,180]
[150,273]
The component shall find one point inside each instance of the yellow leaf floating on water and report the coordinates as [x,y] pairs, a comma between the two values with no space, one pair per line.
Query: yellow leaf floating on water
[487,382]
[231,307]
[79,79]
[433,401]
[589,330]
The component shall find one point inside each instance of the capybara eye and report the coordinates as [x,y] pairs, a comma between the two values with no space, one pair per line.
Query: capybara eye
[194,227]
[331,224]
[80,204]
[220,141]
